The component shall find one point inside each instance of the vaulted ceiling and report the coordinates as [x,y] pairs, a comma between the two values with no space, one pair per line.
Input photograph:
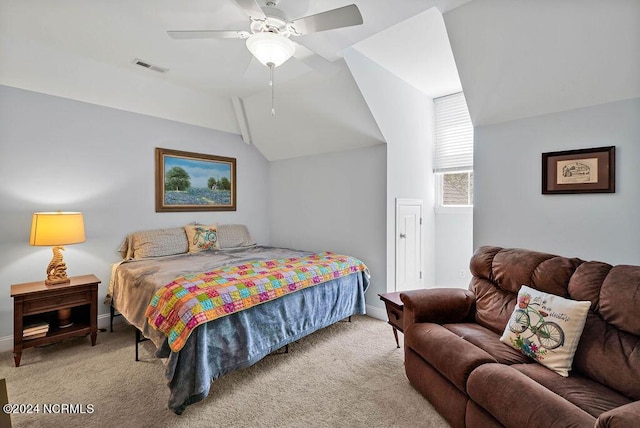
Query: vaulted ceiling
[515,59]
[520,59]
[85,50]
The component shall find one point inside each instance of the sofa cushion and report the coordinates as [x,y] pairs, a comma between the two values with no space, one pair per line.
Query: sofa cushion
[546,328]
[609,356]
[586,281]
[448,353]
[518,401]
[545,272]
[488,341]
[592,397]
[609,350]
[622,417]
[620,298]
[493,305]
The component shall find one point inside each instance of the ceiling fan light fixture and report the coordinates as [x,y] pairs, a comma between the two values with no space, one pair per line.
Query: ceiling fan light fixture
[271,49]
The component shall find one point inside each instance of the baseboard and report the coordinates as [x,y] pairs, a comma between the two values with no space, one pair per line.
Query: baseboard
[376,312]
[6,343]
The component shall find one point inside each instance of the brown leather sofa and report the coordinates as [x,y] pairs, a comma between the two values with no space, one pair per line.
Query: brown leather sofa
[454,357]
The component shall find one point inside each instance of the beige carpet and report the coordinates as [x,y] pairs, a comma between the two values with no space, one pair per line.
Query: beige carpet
[346,375]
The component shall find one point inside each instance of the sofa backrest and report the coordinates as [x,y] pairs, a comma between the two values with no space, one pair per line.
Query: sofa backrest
[498,273]
[609,348]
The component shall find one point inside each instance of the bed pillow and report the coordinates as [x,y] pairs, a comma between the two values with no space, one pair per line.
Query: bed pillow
[202,237]
[234,236]
[154,243]
[546,328]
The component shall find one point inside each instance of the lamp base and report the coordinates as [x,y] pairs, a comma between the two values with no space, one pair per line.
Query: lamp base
[64,318]
[57,269]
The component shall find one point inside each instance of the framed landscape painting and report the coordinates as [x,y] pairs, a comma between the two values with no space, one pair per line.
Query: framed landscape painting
[194,182]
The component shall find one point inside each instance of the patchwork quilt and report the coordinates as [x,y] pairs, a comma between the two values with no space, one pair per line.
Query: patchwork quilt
[188,301]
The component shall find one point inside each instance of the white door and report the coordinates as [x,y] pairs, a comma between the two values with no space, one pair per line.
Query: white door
[408,244]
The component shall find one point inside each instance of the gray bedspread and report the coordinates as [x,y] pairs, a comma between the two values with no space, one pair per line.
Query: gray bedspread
[238,340]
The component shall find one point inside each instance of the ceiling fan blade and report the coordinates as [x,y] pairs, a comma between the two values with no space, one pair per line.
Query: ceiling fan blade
[336,18]
[252,8]
[208,34]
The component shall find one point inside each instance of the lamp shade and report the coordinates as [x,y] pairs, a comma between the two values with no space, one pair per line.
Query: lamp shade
[270,49]
[57,228]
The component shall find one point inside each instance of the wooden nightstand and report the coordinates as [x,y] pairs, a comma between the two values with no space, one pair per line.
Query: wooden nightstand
[395,310]
[35,301]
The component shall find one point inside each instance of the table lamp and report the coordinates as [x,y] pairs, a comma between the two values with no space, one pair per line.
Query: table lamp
[57,229]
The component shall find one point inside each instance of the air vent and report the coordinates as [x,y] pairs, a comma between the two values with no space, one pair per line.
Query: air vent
[150,66]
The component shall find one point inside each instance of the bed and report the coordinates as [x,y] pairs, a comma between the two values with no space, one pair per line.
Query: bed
[154,260]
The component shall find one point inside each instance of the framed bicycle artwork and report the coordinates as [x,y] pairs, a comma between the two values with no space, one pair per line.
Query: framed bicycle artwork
[579,171]
[188,181]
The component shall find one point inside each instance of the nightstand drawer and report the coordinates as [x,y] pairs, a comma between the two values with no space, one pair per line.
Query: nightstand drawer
[395,316]
[51,303]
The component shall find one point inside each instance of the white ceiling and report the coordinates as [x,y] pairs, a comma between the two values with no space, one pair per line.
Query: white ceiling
[519,59]
[117,32]
[333,117]
[418,51]
[83,49]
[516,59]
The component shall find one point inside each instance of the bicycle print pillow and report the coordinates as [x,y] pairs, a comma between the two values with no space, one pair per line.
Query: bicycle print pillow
[546,328]
[202,237]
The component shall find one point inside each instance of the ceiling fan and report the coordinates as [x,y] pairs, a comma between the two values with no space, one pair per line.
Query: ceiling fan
[268,38]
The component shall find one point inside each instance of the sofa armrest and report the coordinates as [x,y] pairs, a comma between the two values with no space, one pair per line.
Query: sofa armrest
[620,417]
[438,305]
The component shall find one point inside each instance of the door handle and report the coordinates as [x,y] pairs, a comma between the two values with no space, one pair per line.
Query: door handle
[402,235]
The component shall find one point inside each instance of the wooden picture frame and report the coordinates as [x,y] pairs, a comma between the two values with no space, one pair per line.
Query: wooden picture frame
[188,181]
[579,171]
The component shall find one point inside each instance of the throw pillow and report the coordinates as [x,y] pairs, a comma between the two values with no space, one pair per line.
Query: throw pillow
[154,243]
[234,236]
[202,237]
[546,328]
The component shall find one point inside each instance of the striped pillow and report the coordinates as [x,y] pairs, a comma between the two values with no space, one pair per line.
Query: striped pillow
[154,243]
[234,236]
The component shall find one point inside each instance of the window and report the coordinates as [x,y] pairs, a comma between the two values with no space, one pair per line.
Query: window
[457,188]
[453,154]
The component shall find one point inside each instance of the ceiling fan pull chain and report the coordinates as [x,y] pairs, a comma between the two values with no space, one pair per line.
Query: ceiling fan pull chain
[271,83]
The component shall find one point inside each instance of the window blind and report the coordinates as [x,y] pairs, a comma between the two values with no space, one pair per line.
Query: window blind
[453,134]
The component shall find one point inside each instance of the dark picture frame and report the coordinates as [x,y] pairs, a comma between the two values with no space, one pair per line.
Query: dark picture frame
[188,181]
[579,171]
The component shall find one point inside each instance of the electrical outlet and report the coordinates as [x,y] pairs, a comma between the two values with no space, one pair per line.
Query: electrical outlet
[462,273]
